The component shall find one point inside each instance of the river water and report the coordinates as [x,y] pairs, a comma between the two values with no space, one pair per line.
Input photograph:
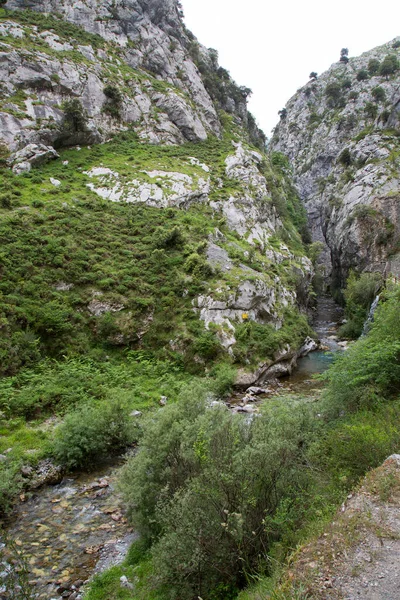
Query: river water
[71,530]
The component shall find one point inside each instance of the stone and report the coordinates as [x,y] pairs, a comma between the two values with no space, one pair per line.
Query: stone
[3,457]
[55,182]
[30,156]
[309,345]
[256,391]
[163,400]
[135,413]
[125,583]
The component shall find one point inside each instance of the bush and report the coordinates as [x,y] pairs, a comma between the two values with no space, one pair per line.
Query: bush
[75,117]
[334,93]
[379,94]
[91,433]
[369,372]
[389,65]
[371,110]
[362,75]
[345,158]
[373,66]
[207,487]
[359,294]
[114,101]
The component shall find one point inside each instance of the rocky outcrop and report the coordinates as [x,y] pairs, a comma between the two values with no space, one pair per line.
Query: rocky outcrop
[341,135]
[30,156]
[137,67]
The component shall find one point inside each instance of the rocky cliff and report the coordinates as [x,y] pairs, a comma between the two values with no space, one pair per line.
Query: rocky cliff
[341,133]
[190,219]
[131,65]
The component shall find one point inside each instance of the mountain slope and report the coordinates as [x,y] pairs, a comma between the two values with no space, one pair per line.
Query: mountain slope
[341,133]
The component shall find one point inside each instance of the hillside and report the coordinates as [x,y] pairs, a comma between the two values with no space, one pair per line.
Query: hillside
[340,132]
[159,269]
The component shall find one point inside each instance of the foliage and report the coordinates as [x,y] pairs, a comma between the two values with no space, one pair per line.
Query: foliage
[313,75]
[369,372]
[75,117]
[334,93]
[389,65]
[207,488]
[114,101]
[379,94]
[373,66]
[371,110]
[359,294]
[91,433]
[345,158]
[344,55]
[362,75]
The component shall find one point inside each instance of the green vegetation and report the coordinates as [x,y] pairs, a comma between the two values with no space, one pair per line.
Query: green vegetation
[221,501]
[359,294]
[373,66]
[389,65]
[362,75]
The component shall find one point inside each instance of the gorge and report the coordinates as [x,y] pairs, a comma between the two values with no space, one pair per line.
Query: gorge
[158,258]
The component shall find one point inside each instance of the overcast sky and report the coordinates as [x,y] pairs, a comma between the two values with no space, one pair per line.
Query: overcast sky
[272,47]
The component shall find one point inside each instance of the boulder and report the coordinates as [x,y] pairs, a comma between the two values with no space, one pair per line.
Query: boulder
[32,155]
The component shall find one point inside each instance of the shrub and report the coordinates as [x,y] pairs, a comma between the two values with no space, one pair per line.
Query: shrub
[362,75]
[344,55]
[114,101]
[345,157]
[369,372]
[334,93]
[373,66]
[90,433]
[396,44]
[359,294]
[75,117]
[371,110]
[379,94]
[389,65]
[207,487]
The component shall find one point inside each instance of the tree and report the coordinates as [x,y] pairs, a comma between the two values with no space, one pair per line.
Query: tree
[313,75]
[75,115]
[371,110]
[344,55]
[379,94]
[362,75]
[334,93]
[345,158]
[389,65]
[282,113]
[373,66]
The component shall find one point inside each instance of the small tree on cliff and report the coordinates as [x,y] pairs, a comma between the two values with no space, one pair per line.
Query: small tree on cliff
[344,55]
[313,75]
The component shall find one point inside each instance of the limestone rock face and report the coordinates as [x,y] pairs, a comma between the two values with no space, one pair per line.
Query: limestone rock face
[341,134]
[143,49]
[32,155]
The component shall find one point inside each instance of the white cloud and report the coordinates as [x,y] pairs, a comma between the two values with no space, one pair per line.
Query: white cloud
[272,47]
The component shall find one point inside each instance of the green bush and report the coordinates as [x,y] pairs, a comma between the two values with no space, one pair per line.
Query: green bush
[371,110]
[373,66]
[207,487]
[362,75]
[369,371]
[345,158]
[359,294]
[75,117]
[379,94]
[91,433]
[389,65]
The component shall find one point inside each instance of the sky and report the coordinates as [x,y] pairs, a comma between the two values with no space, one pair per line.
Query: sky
[272,47]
